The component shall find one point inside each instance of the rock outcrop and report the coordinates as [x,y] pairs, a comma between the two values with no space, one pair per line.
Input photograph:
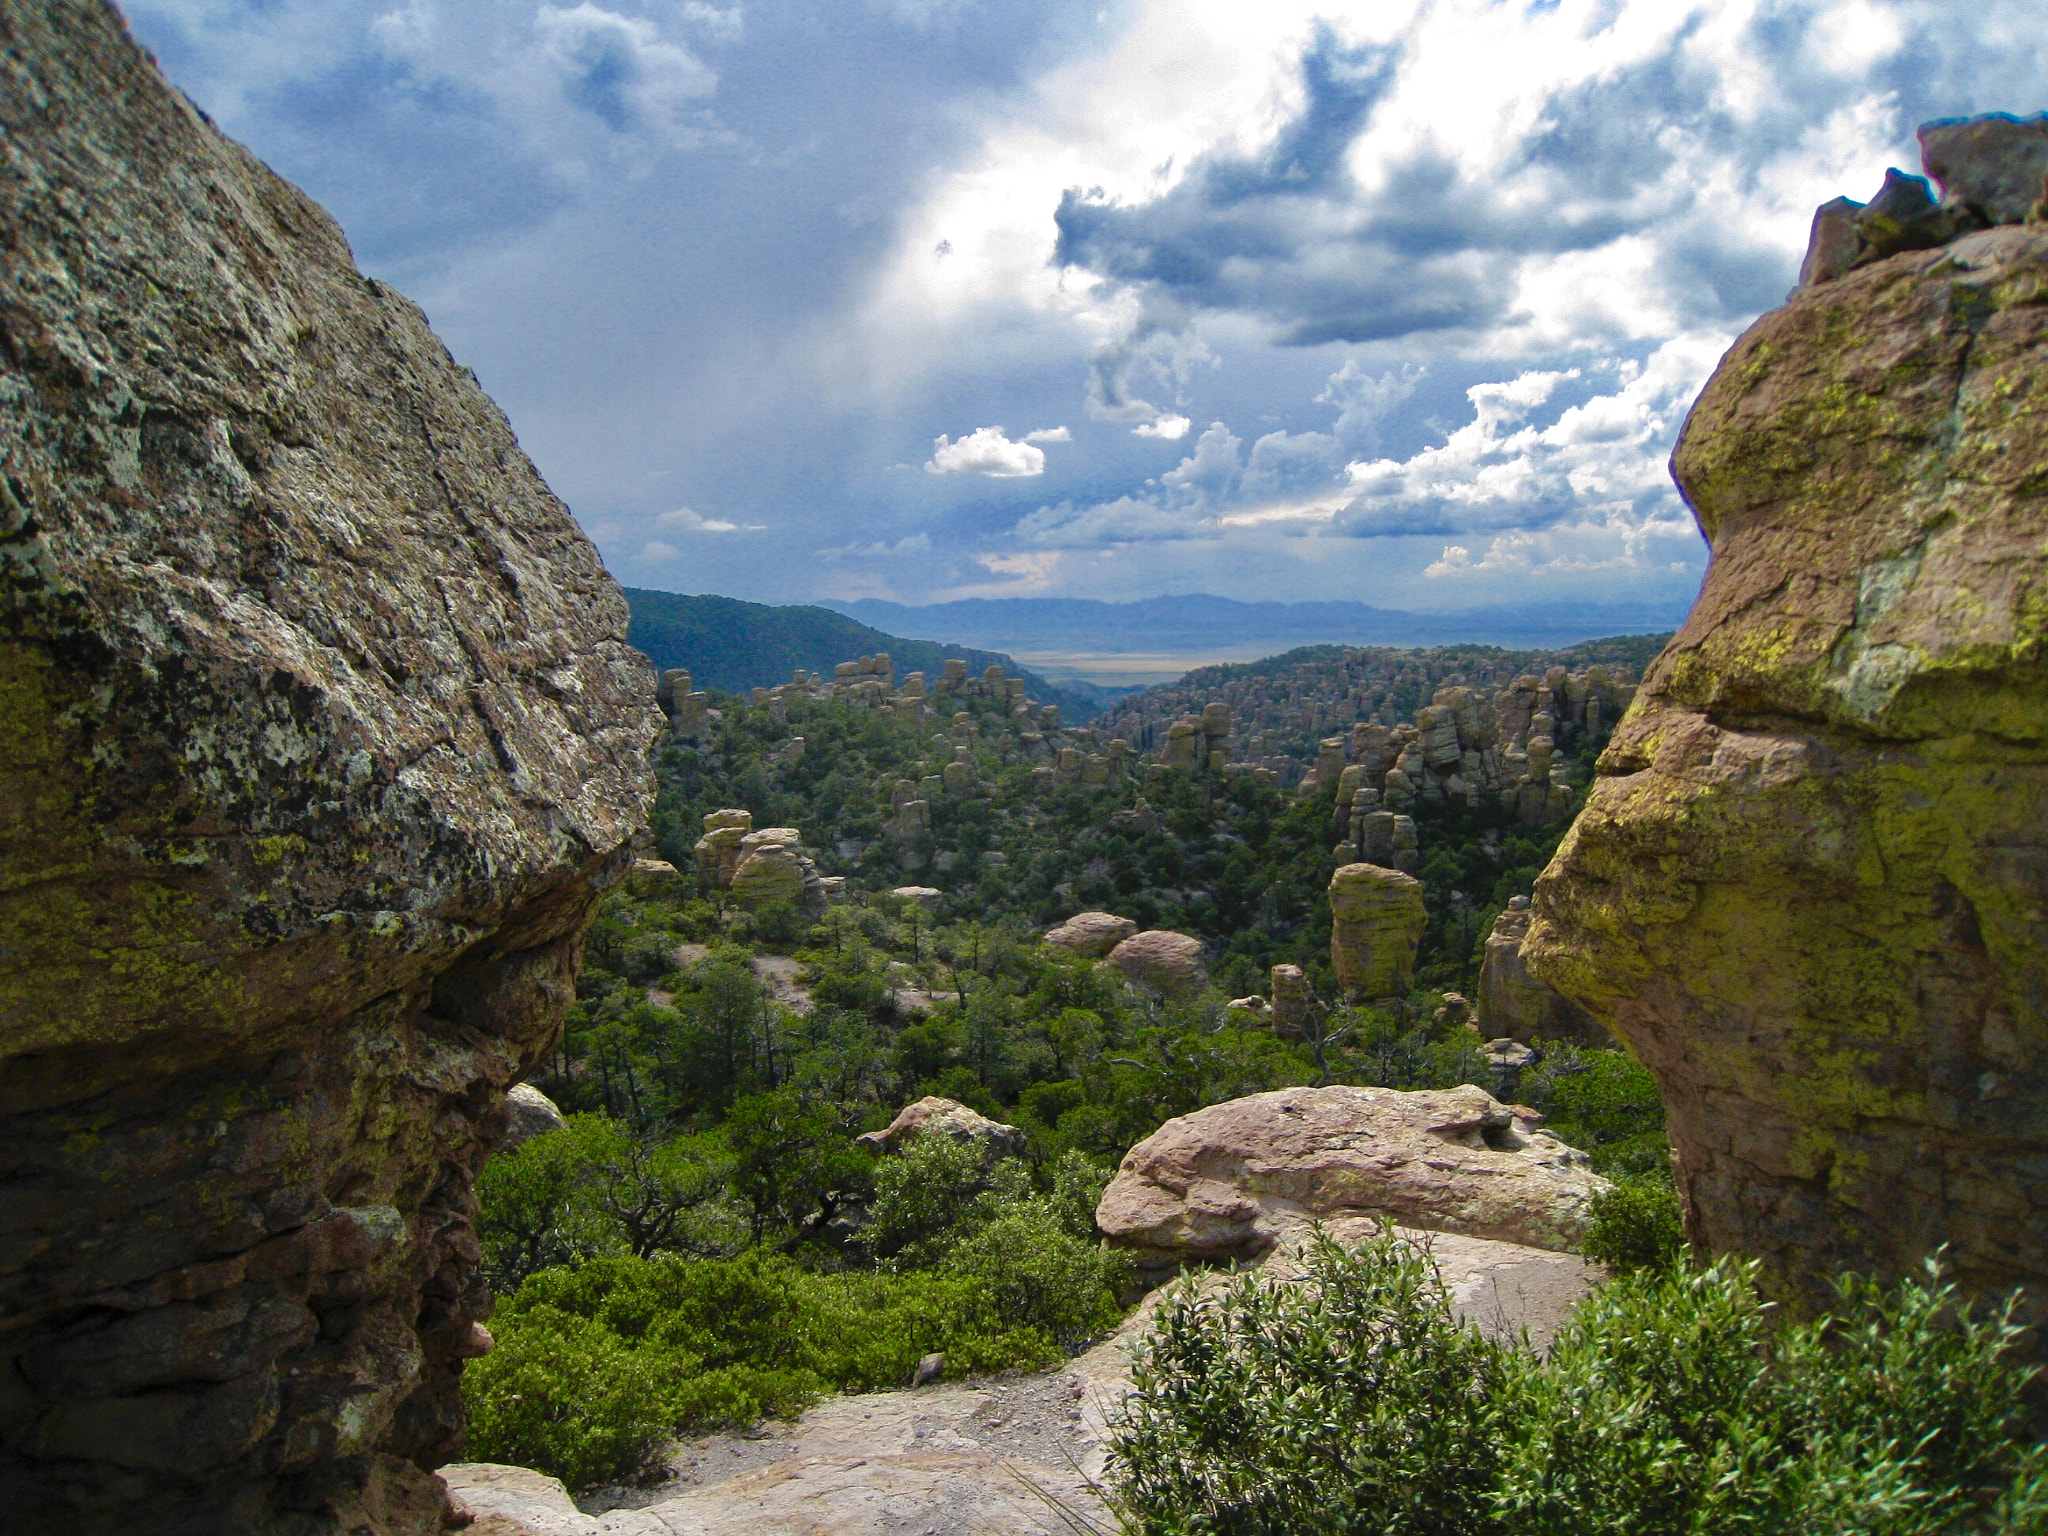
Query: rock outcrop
[1171,964]
[946,1118]
[1091,934]
[324,742]
[1227,1181]
[1810,887]
[528,1113]
[1513,1002]
[1377,921]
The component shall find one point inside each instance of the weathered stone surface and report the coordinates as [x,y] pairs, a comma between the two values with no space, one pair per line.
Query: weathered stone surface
[529,1113]
[1513,1002]
[1994,166]
[1296,1012]
[1810,887]
[718,850]
[1170,963]
[1226,1181]
[965,1457]
[323,742]
[1093,934]
[934,1116]
[770,868]
[1376,923]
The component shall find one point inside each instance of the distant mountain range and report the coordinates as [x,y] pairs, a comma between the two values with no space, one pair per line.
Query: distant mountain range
[733,646]
[1200,622]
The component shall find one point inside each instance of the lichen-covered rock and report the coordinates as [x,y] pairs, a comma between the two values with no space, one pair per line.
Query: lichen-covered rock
[1171,964]
[947,1118]
[1227,1181]
[1377,920]
[1810,887]
[770,867]
[1092,934]
[718,850]
[1513,1002]
[323,741]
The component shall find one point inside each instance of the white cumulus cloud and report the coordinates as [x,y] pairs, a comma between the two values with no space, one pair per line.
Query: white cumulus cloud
[987,451]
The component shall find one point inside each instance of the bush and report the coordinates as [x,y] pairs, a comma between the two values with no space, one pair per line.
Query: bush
[1674,1402]
[567,1395]
[1635,1226]
[707,1342]
[932,1194]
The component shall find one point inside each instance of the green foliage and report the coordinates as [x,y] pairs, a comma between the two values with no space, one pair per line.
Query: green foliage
[1673,1402]
[595,1188]
[567,1395]
[934,1192]
[597,1364]
[1635,1226]
[1353,1402]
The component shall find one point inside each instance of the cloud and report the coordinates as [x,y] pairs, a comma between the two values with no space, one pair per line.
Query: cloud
[1172,428]
[986,451]
[684,520]
[621,71]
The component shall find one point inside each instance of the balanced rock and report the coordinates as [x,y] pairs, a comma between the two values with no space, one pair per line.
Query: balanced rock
[1807,889]
[1513,1002]
[529,1113]
[718,850]
[771,867]
[1171,964]
[1093,934]
[948,1118]
[1295,1008]
[1376,924]
[324,743]
[1227,1181]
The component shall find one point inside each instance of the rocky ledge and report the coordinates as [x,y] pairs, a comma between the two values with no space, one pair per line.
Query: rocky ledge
[1810,886]
[322,742]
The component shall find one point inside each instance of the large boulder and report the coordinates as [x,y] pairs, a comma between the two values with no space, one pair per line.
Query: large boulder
[1171,964]
[324,741]
[770,867]
[1090,934]
[1513,1002]
[946,1118]
[1227,1181]
[1810,887]
[529,1113]
[1376,924]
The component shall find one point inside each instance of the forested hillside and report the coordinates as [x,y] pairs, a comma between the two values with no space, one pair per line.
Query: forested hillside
[733,645]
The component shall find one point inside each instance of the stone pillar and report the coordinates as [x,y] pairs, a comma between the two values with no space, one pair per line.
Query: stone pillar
[1377,921]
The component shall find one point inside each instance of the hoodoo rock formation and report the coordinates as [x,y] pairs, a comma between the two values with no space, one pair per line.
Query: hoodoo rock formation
[1377,919]
[1810,886]
[323,743]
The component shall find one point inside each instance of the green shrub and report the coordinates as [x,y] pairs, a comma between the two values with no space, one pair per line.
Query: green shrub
[1355,1401]
[567,1395]
[933,1193]
[1635,1226]
[1675,1402]
[728,1341]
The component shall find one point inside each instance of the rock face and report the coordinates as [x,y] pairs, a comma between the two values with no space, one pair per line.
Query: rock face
[1227,1181]
[1093,934]
[1810,887]
[1376,923]
[934,1116]
[1170,963]
[1513,1002]
[324,741]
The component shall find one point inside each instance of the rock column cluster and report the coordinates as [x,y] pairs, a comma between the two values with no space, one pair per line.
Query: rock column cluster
[1810,887]
[755,868]
[324,742]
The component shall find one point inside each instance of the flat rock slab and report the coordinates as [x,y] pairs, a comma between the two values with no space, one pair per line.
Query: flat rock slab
[969,1458]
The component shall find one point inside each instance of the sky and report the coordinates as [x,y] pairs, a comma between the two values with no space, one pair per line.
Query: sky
[1400,301]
